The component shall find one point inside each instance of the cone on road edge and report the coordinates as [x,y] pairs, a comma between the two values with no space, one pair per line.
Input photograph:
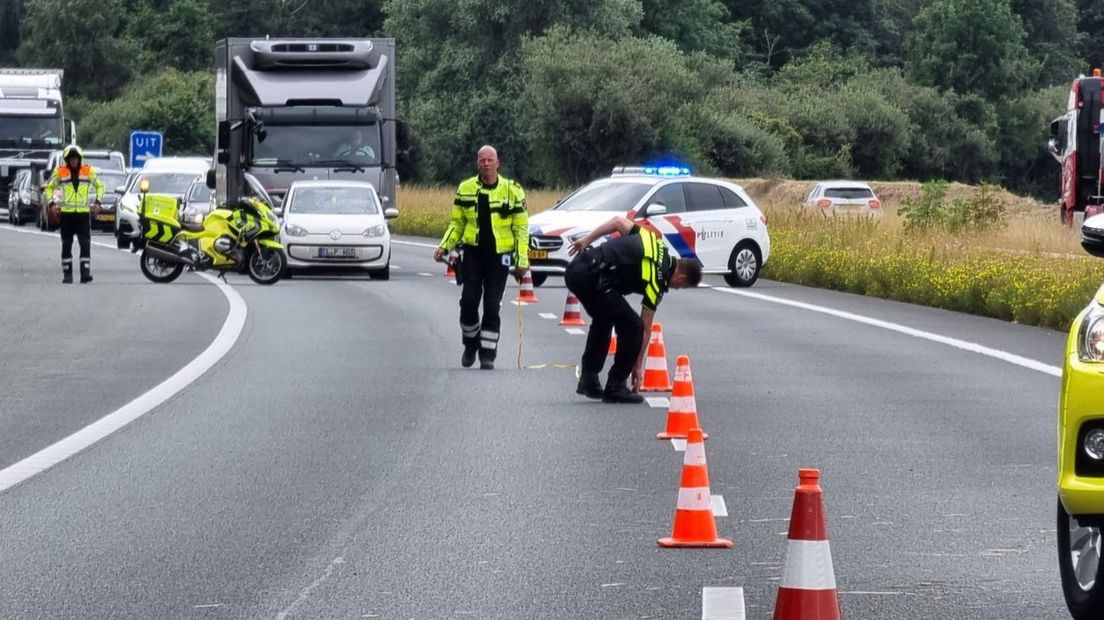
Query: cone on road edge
[656,377]
[613,344]
[682,414]
[807,590]
[573,312]
[694,524]
[526,294]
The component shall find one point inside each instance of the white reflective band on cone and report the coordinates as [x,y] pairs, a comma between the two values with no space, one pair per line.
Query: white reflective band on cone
[695,498]
[655,363]
[682,373]
[808,566]
[695,454]
[683,404]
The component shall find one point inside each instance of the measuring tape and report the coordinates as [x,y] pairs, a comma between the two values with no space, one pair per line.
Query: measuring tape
[521,345]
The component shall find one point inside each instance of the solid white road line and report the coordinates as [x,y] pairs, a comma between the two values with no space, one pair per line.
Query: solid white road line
[78,441]
[964,345]
[415,244]
[722,604]
[719,507]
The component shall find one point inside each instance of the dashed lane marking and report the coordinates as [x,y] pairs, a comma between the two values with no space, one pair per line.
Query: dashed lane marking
[575,331]
[427,275]
[723,604]
[105,426]
[718,504]
[964,345]
[658,402]
[678,444]
[547,315]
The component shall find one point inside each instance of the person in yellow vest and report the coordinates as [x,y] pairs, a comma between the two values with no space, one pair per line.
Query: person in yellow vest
[489,220]
[68,192]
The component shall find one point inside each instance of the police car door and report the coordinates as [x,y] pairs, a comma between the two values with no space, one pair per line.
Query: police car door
[711,224]
[670,226]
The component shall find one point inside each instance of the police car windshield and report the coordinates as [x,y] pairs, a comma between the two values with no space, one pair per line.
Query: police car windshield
[165,182]
[333,200]
[606,195]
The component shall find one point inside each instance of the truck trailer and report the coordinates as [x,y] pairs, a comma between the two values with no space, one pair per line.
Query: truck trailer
[291,109]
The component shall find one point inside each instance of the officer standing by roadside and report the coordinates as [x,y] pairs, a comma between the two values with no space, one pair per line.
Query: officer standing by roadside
[489,220]
[67,191]
[635,262]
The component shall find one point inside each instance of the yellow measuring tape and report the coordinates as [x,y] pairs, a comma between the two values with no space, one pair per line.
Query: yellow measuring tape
[521,344]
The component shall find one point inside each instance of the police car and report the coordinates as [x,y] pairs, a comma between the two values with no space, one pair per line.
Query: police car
[712,220]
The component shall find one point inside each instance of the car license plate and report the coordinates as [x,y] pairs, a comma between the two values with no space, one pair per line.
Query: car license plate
[337,253]
[105,217]
[538,254]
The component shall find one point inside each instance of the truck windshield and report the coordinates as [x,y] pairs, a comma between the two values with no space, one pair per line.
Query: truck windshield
[303,145]
[28,130]
[607,195]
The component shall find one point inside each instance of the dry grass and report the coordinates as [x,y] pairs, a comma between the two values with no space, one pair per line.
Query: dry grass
[424,211]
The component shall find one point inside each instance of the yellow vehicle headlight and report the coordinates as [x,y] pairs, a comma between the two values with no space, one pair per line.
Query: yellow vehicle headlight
[1090,340]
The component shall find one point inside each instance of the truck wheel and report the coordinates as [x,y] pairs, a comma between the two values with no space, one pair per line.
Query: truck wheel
[744,265]
[539,278]
[1080,566]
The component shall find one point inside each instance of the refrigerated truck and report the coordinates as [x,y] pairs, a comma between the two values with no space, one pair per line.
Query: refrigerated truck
[298,109]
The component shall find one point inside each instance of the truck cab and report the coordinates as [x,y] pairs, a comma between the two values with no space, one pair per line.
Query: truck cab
[32,121]
[1075,143]
[305,109]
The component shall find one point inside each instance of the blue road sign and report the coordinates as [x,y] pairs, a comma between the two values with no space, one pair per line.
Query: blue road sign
[144,145]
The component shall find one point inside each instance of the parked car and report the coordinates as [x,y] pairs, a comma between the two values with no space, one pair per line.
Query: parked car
[843,198]
[337,224]
[712,220]
[128,229]
[198,201]
[1081,451]
[105,219]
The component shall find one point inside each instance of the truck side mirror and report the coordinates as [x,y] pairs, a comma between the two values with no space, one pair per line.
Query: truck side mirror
[70,132]
[222,151]
[1059,136]
[212,179]
[1092,235]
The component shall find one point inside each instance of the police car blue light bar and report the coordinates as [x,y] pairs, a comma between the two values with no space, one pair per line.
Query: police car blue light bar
[656,171]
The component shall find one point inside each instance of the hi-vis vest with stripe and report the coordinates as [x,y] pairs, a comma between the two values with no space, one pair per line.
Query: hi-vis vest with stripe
[509,218]
[651,268]
[60,190]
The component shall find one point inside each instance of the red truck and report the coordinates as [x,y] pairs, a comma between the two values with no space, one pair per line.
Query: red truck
[1075,143]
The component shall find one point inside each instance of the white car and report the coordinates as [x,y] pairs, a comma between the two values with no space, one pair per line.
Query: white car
[843,198]
[336,224]
[128,228]
[712,220]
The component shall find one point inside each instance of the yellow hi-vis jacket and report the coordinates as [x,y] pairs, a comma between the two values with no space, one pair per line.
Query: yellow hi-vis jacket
[73,199]
[509,218]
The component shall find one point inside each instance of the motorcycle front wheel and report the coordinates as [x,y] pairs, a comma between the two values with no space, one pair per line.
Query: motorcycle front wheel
[159,270]
[267,266]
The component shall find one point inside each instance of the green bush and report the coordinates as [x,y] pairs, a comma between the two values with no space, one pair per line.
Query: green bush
[978,213]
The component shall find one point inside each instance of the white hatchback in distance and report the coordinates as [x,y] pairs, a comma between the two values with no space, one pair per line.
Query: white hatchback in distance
[336,224]
[712,220]
[843,198]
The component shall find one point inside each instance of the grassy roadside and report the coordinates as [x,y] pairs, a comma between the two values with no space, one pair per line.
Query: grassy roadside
[1031,271]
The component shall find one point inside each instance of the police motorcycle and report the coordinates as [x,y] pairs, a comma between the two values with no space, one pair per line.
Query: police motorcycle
[238,237]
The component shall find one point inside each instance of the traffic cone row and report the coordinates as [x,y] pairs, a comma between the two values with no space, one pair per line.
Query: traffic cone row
[682,414]
[656,378]
[573,312]
[694,524]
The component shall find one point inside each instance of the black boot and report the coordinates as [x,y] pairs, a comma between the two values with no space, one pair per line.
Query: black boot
[589,385]
[467,360]
[67,275]
[486,359]
[86,274]
[618,392]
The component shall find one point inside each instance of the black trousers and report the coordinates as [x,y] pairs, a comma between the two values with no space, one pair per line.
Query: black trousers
[484,278]
[607,310]
[79,224]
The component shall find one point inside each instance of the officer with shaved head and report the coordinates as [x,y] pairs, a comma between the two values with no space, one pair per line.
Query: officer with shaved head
[490,224]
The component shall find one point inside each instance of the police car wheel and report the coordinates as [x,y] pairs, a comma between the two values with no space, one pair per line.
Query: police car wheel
[743,266]
[1080,566]
[538,278]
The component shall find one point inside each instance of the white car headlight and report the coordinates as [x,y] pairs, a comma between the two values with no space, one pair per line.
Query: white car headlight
[375,231]
[292,230]
[1090,338]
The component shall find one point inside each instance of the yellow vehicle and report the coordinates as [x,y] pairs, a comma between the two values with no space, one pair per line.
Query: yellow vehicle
[1081,452]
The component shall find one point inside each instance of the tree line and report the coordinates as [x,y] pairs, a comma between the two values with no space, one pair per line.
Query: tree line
[876,89]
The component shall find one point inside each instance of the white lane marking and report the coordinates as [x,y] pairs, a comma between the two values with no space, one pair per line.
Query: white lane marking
[94,432]
[427,275]
[548,315]
[678,444]
[515,302]
[719,507]
[964,345]
[723,604]
[658,402]
[415,244]
[396,267]
[575,331]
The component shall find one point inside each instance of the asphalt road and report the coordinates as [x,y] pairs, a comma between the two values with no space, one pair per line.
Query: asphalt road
[338,463]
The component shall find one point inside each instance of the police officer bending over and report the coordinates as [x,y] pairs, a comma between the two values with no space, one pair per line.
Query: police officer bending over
[489,219]
[635,262]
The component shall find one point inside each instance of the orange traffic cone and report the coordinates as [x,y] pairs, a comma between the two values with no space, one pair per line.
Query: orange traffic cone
[682,415]
[613,344]
[807,590]
[656,378]
[694,525]
[526,294]
[573,312]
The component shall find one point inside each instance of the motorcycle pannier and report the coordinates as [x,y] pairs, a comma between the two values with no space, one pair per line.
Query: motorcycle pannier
[160,217]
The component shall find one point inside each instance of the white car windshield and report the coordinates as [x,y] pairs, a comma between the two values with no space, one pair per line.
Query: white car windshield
[165,183]
[606,195]
[334,200]
[200,193]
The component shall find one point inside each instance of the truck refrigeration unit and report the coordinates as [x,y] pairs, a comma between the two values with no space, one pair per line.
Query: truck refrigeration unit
[32,121]
[291,109]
